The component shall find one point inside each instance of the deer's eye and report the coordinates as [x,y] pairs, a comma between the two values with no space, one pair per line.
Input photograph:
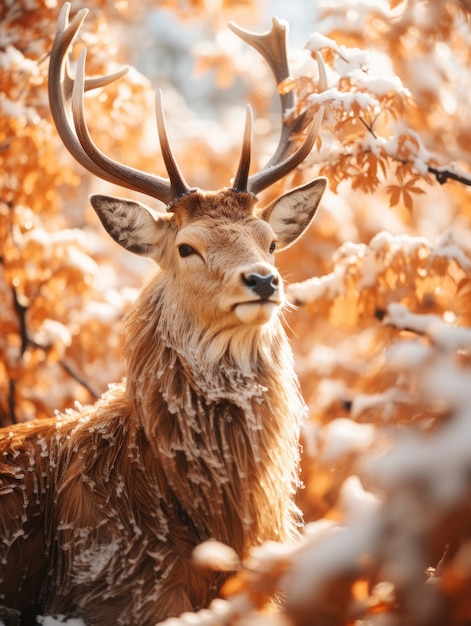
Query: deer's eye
[185,250]
[272,247]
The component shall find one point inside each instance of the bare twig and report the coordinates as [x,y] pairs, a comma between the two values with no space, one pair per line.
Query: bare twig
[76,376]
[369,127]
[21,310]
[11,401]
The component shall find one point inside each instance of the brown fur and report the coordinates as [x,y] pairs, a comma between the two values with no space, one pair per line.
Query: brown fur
[101,508]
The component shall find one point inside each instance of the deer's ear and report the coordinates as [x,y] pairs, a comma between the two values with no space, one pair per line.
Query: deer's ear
[131,224]
[292,213]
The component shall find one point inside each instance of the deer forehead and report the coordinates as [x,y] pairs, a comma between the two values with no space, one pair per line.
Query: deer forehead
[213,234]
[224,204]
[211,220]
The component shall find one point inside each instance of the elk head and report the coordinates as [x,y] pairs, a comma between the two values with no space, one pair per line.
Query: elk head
[217,247]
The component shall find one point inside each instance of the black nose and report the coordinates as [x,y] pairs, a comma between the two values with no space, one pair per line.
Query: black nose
[263,286]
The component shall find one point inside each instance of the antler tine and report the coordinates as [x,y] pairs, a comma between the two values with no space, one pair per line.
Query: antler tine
[66,102]
[178,185]
[103,166]
[242,174]
[60,82]
[272,46]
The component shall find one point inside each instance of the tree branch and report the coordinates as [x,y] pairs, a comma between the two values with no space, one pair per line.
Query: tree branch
[21,310]
[442,174]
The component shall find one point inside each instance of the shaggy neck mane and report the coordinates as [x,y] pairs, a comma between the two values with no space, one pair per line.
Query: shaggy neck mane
[222,412]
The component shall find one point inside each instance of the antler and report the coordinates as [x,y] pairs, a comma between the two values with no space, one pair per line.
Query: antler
[66,102]
[272,46]
[67,108]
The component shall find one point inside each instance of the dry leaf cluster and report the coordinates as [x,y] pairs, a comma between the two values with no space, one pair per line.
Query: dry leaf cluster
[382,286]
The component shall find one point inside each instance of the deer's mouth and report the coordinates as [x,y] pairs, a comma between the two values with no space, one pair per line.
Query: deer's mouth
[257,311]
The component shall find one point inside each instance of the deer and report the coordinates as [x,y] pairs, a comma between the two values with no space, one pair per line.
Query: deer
[102,506]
